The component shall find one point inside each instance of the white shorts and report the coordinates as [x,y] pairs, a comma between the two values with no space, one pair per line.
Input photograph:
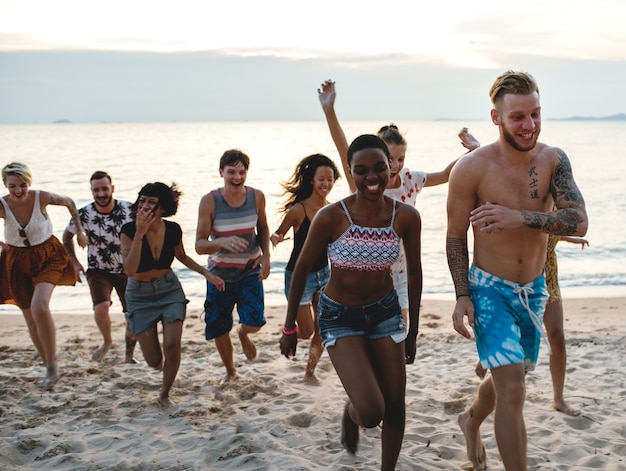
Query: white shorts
[401,285]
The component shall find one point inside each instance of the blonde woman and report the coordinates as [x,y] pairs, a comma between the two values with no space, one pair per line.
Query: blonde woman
[32,260]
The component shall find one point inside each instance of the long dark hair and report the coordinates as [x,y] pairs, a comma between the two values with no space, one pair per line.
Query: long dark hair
[300,185]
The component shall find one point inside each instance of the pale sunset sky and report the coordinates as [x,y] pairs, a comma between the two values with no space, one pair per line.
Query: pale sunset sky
[200,60]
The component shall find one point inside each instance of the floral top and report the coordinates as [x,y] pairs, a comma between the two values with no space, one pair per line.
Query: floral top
[411,184]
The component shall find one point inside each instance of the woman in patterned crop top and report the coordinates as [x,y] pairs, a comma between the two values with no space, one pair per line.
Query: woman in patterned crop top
[153,294]
[404,184]
[359,316]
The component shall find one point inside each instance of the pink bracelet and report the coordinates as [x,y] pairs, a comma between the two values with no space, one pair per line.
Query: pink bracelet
[290,332]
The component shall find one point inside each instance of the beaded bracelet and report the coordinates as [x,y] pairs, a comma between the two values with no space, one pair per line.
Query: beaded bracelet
[290,332]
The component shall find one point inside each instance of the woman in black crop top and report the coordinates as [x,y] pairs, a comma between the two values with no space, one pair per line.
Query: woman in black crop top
[359,316]
[153,293]
[307,189]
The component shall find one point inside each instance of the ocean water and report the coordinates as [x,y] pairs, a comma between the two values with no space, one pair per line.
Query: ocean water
[63,156]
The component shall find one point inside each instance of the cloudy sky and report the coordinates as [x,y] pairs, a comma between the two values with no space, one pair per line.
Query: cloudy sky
[202,60]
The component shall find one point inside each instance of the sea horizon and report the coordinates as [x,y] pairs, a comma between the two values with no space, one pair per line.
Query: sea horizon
[63,156]
[613,117]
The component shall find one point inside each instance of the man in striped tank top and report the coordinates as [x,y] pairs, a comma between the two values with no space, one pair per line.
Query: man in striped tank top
[232,229]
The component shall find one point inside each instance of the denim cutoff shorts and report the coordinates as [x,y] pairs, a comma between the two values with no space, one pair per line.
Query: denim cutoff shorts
[152,301]
[379,319]
[315,283]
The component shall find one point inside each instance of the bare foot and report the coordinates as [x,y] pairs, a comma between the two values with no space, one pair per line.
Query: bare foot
[349,432]
[101,352]
[51,378]
[310,378]
[474,445]
[164,401]
[467,140]
[564,407]
[229,378]
[130,360]
[249,350]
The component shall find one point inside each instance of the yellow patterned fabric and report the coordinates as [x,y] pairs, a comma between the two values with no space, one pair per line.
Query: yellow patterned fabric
[552,270]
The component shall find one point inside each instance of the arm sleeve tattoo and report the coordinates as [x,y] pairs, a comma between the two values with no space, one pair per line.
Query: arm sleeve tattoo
[571,206]
[458,262]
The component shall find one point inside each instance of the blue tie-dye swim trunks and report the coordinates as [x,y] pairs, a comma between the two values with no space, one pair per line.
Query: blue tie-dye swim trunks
[507,319]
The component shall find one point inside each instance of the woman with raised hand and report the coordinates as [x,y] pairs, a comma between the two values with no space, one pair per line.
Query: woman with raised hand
[154,294]
[307,190]
[359,317]
[404,184]
[33,261]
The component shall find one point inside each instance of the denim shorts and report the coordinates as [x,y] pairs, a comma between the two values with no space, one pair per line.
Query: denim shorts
[315,283]
[505,332]
[379,319]
[152,301]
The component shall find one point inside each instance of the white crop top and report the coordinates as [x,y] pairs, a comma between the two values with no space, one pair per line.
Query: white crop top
[37,231]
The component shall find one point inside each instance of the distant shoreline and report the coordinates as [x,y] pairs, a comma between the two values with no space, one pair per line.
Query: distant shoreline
[615,117]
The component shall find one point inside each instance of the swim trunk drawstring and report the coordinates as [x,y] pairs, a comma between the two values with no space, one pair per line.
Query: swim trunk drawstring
[523,292]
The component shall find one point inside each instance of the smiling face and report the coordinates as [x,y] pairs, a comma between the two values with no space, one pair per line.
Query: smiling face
[102,192]
[370,171]
[18,188]
[323,181]
[148,204]
[396,162]
[519,120]
[234,177]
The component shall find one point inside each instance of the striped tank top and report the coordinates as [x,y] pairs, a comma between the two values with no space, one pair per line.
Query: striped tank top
[241,222]
[365,248]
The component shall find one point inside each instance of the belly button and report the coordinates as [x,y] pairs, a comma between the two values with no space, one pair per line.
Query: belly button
[520,261]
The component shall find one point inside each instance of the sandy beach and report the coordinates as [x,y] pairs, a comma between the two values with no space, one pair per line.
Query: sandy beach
[106,416]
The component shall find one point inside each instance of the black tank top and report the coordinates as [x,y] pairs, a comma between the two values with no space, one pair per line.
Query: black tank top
[298,241]
[173,235]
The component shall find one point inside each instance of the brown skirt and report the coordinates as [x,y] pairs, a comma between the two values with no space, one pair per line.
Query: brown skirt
[22,268]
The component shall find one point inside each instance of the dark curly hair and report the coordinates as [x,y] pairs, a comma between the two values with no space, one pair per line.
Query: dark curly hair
[168,196]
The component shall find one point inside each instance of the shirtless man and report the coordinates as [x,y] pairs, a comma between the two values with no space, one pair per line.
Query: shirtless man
[514,192]
[553,316]
[102,220]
